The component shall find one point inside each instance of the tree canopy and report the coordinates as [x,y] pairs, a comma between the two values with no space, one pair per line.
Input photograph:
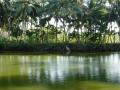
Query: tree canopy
[80,20]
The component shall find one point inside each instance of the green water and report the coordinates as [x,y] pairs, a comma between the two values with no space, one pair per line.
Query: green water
[60,72]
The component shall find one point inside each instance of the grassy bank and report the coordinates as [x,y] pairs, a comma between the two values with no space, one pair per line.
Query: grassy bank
[25,47]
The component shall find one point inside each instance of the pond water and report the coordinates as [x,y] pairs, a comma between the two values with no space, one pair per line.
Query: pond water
[60,72]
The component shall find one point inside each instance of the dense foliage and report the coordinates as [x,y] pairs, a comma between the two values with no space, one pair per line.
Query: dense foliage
[60,21]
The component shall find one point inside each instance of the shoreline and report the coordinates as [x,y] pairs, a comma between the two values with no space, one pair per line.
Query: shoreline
[60,48]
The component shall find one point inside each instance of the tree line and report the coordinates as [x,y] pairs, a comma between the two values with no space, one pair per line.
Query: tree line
[60,21]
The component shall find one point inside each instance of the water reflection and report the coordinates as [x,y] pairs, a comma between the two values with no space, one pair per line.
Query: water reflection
[57,68]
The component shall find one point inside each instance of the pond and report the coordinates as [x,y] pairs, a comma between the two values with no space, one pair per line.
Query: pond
[87,71]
